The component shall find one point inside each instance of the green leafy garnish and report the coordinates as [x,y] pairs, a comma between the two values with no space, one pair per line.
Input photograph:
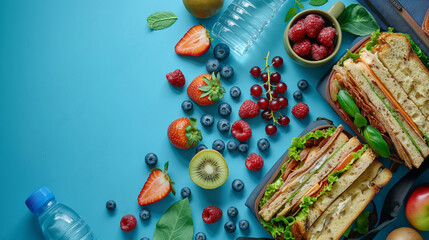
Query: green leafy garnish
[420,54]
[293,10]
[161,20]
[280,225]
[347,103]
[272,188]
[317,2]
[298,143]
[425,137]
[390,29]
[349,54]
[290,13]
[357,20]
[362,223]
[360,120]
[374,40]
[176,223]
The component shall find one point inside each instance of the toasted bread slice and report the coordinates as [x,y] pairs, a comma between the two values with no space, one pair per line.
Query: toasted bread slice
[279,199]
[396,53]
[396,90]
[346,208]
[324,201]
[363,80]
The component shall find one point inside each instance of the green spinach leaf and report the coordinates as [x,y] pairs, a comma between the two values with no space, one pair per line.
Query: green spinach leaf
[176,223]
[357,20]
[161,20]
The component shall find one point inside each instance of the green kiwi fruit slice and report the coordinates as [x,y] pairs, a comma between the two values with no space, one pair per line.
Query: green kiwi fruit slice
[208,169]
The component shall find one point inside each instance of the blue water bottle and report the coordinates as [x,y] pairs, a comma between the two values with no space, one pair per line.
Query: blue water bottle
[58,222]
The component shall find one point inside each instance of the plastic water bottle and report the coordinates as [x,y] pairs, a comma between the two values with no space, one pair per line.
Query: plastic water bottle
[243,21]
[58,222]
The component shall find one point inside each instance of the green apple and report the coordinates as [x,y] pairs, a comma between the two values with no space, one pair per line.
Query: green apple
[203,8]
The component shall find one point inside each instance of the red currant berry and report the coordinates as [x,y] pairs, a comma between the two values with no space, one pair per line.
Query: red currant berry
[270,129]
[255,71]
[275,77]
[256,90]
[283,102]
[274,105]
[284,121]
[263,103]
[266,86]
[273,94]
[264,77]
[277,61]
[281,87]
[266,115]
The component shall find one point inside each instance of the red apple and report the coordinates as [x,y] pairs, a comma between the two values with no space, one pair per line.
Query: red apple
[417,208]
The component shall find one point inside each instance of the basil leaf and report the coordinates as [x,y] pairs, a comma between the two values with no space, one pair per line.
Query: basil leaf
[347,103]
[290,13]
[375,141]
[176,223]
[362,223]
[357,20]
[317,2]
[161,20]
[360,121]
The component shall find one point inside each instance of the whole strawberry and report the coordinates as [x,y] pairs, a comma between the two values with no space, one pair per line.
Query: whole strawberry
[248,109]
[176,78]
[183,133]
[300,110]
[241,130]
[254,162]
[206,89]
[157,186]
[212,214]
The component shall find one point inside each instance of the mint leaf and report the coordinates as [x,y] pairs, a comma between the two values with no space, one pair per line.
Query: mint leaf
[299,4]
[176,223]
[317,2]
[290,13]
[161,20]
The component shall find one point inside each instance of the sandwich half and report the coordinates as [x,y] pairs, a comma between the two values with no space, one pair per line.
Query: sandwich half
[389,84]
[323,167]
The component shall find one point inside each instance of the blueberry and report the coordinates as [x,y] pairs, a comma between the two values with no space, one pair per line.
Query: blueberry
[187,106]
[185,192]
[213,65]
[200,236]
[237,185]
[232,212]
[263,144]
[110,205]
[243,147]
[200,148]
[151,159]
[223,125]
[221,51]
[235,92]
[144,238]
[218,145]
[207,120]
[302,84]
[144,214]
[297,95]
[227,72]
[232,146]
[229,227]
[243,224]
[224,109]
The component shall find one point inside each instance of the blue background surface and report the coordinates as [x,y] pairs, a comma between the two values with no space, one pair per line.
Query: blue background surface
[83,98]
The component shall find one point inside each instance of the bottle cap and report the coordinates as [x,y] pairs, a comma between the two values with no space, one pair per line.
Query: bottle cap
[38,198]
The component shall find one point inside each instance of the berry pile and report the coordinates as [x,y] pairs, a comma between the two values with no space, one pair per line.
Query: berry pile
[311,38]
[271,101]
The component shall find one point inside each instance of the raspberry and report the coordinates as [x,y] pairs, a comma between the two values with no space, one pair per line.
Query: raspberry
[331,50]
[313,24]
[302,48]
[254,162]
[211,214]
[128,223]
[326,36]
[297,32]
[318,51]
[248,109]
[241,130]
[300,110]
[176,78]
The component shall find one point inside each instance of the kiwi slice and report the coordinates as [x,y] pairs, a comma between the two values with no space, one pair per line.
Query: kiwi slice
[208,169]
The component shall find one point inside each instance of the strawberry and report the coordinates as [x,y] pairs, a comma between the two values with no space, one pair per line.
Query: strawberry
[158,185]
[195,42]
[183,133]
[205,89]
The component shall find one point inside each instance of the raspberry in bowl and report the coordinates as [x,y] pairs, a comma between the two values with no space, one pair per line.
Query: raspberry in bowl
[313,37]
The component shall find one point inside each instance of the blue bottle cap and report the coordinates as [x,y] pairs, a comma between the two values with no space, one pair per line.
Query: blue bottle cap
[38,198]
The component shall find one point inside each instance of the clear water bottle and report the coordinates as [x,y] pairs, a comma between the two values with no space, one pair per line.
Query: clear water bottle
[243,21]
[58,222]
